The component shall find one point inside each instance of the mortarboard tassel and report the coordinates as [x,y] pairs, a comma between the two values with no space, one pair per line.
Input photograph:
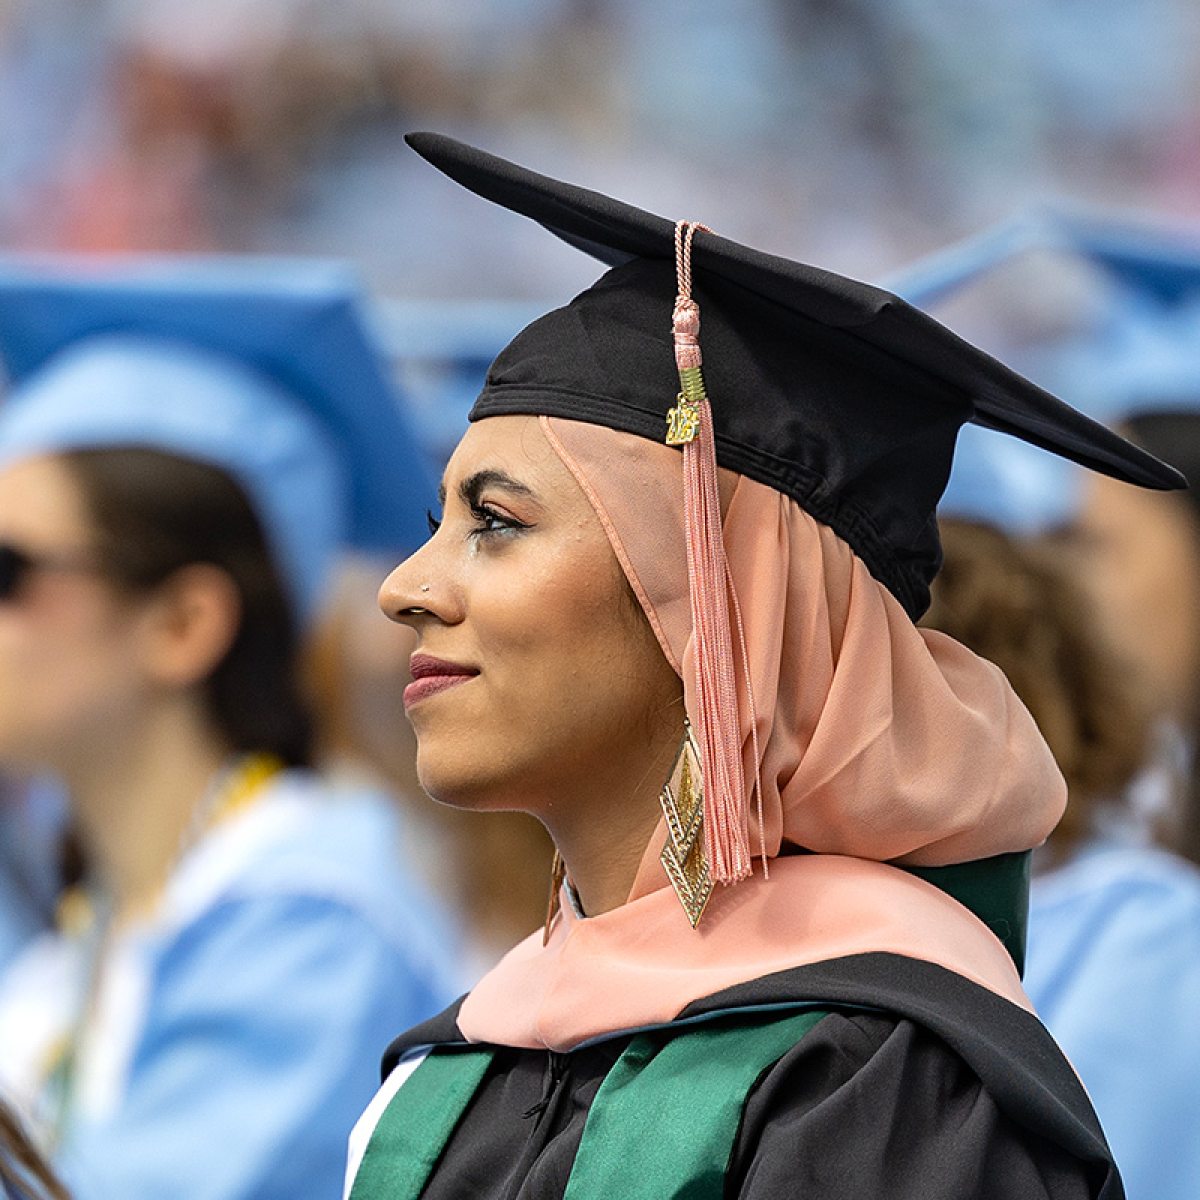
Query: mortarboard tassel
[715,610]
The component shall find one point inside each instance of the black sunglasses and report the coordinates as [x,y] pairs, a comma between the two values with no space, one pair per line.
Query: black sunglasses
[17,564]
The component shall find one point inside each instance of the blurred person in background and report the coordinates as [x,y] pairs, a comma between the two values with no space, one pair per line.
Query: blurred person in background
[1158,596]
[1137,364]
[1140,567]
[1114,932]
[1090,601]
[184,449]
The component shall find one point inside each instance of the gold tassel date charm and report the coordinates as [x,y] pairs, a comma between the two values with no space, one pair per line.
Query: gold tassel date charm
[683,421]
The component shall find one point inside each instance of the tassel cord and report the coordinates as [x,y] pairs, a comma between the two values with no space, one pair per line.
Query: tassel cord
[715,610]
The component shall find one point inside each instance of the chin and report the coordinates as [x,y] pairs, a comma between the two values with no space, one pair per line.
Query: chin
[465,783]
[448,782]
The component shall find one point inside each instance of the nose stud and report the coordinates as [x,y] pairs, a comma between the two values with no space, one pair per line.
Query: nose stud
[414,609]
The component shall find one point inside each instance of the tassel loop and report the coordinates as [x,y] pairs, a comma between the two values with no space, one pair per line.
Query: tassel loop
[685,325]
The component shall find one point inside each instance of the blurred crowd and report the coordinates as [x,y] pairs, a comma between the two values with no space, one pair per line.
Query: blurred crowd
[860,135]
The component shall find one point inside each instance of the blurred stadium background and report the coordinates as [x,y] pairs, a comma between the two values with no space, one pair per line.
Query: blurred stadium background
[859,134]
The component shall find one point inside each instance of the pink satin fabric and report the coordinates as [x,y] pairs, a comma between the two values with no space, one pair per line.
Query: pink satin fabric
[642,963]
[877,740]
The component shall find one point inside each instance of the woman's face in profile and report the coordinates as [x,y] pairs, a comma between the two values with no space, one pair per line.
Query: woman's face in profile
[68,642]
[535,672]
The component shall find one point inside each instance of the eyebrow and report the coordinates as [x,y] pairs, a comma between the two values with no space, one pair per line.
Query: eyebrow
[471,488]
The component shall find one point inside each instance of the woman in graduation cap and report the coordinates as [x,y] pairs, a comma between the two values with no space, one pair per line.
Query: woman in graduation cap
[184,449]
[681,634]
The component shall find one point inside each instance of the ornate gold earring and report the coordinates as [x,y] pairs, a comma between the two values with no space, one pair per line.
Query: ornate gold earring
[682,800]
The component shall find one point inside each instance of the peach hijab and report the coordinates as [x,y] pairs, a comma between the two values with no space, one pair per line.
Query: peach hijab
[877,742]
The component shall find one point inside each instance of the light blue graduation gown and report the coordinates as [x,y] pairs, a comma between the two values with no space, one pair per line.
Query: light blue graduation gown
[31,817]
[1114,970]
[237,1036]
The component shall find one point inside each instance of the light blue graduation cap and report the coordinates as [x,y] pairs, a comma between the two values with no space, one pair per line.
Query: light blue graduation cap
[1141,349]
[998,480]
[1159,264]
[940,275]
[441,351]
[261,368]
[1138,353]
[1146,360]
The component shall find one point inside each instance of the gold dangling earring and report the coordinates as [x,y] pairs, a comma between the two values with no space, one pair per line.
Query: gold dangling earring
[558,873]
[682,800]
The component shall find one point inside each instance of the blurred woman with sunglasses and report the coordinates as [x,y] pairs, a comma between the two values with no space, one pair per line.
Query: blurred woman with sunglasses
[182,454]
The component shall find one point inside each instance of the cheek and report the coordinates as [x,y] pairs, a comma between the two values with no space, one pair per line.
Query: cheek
[564,623]
[568,680]
[62,673]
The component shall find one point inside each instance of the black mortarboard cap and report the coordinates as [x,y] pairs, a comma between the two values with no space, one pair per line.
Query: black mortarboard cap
[836,393]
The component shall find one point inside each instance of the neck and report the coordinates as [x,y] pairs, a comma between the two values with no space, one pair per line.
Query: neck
[603,848]
[132,803]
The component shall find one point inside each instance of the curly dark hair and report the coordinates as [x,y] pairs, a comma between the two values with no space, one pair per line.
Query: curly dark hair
[1011,602]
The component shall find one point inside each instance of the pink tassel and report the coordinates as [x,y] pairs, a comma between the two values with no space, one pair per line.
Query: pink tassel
[726,813]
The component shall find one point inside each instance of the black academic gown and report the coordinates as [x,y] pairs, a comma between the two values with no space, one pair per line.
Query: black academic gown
[917,1084]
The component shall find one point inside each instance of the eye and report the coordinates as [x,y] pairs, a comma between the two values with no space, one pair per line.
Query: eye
[490,521]
[434,523]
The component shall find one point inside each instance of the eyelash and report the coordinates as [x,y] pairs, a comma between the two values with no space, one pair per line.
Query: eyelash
[482,514]
[491,523]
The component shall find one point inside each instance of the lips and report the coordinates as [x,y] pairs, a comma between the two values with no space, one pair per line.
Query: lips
[432,675]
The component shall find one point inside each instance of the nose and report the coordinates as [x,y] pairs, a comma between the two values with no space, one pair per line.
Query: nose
[411,594]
